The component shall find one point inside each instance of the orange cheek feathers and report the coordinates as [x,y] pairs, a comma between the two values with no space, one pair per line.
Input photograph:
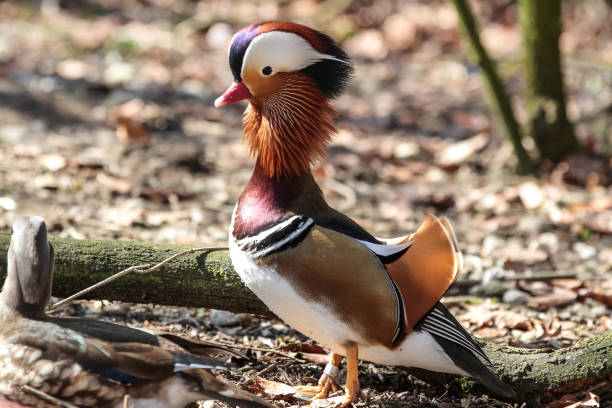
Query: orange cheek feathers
[261,86]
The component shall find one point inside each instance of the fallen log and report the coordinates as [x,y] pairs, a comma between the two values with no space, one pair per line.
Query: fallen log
[201,279]
[207,279]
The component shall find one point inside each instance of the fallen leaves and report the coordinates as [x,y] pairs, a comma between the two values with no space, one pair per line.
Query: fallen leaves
[499,319]
[491,321]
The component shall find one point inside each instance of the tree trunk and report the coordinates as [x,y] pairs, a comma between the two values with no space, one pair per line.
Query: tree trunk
[544,94]
[497,92]
[207,279]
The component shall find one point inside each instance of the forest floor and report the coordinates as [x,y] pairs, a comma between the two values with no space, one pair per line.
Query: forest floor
[108,130]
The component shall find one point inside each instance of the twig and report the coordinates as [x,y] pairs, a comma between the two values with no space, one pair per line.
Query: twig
[542,276]
[267,369]
[350,198]
[46,397]
[97,285]
[140,269]
[237,346]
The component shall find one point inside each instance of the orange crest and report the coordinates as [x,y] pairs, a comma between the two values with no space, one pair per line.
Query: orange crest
[289,130]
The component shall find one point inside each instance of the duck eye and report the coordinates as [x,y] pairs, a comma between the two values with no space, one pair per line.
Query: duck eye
[267,70]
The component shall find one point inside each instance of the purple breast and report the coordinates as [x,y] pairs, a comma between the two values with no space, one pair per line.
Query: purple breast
[263,201]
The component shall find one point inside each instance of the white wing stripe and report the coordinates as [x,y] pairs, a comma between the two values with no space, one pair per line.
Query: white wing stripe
[446,329]
[385,250]
[267,250]
[440,315]
[454,339]
[277,237]
[266,233]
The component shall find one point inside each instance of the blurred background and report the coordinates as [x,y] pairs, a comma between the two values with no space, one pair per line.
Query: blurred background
[108,130]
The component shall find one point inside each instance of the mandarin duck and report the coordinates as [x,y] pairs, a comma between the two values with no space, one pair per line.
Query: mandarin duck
[88,363]
[314,267]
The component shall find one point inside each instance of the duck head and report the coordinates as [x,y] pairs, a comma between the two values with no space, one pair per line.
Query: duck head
[288,72]
[27,288]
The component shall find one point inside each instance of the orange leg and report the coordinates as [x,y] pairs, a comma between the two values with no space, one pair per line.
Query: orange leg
[328,381]
[352,376]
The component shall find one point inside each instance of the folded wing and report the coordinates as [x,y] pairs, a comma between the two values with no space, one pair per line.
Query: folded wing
[425,271]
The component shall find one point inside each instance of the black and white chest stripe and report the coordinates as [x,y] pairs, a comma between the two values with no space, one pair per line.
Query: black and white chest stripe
[286,233]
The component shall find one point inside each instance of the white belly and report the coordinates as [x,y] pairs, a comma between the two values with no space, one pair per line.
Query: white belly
[315,320]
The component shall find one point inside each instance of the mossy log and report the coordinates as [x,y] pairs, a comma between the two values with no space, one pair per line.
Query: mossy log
[199,279]
[207,279]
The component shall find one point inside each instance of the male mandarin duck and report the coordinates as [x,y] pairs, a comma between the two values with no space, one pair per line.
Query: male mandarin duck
[313,266]
[65,359]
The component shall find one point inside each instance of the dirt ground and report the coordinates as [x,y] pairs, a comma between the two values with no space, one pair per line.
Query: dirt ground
[108,130]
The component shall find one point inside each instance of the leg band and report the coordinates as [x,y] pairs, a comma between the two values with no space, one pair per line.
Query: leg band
[331,370]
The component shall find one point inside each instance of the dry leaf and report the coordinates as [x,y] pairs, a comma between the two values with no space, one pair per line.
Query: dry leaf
[499,319]
[516,253]
[532,196]
[304,348]
[535,287]
[157,218]
[164,195]
[115,184]
[600,222]
[128,118]
[367,43]
[315,357]
[129,131]
[71,69]
[558,297]
[457,153]
[274,389]
[605,256]
[54,162]
[600,291]
[400,32]
[490,332]
[596,205]
[571,284]
[124,217]
[4,403]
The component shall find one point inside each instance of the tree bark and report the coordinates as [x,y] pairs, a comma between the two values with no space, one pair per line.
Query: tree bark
[497,92]
[207,279]
[544,94]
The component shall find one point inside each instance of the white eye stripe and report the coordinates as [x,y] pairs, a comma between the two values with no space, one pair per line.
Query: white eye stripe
[282,51]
